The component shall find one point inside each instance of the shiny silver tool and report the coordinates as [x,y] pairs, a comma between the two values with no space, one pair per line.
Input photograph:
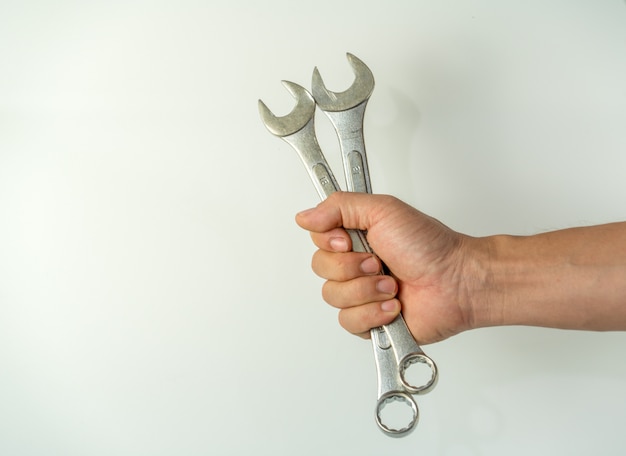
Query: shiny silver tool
[394,347]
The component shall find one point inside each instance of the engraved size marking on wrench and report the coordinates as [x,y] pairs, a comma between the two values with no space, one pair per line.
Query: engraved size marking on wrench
[323,176]
[355,159]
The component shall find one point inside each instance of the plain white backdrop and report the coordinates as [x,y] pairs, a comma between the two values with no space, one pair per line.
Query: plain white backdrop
[155,293]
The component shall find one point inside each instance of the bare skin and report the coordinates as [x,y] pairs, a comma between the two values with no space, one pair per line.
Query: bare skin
[445,282]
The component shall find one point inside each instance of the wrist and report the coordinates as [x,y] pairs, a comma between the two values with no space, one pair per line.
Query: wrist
[512,282]
[481,291]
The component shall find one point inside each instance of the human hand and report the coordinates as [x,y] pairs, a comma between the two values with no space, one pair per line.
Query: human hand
[428,282]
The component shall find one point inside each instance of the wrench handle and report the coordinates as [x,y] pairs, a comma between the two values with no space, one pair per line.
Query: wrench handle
[349,128]
[305,143]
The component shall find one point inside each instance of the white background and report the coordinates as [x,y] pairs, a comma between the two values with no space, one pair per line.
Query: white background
[155,293]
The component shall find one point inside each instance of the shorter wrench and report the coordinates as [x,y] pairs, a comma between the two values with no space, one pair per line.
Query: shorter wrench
[297,129]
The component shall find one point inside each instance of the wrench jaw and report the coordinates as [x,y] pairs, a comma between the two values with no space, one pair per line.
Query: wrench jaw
[357,93]
[297,119]
[346,111]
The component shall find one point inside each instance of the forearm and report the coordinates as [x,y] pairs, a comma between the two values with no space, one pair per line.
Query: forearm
[573,279]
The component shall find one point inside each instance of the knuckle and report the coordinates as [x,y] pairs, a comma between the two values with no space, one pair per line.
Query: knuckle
[344,266]
[328,294]
[347,323]
[350,293]
[316,262]
[362,291]
[340,267]
[357,321]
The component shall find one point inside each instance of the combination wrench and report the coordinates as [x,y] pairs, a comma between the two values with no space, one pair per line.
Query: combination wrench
[394,347]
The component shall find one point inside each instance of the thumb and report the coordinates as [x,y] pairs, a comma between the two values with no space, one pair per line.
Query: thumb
[349,210]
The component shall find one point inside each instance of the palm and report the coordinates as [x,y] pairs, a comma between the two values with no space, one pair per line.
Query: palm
[418,251]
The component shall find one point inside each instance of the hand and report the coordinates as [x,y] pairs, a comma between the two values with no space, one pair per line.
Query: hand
[429,279]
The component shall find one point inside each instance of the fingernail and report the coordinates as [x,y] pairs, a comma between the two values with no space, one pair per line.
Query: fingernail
[386,285]
[370,265]
[339,244]
[389,306]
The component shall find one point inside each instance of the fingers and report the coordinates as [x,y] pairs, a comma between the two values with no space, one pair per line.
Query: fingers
[359,320]
[344,266]
[365,298]
[364,302]
[354,285]
[359,291]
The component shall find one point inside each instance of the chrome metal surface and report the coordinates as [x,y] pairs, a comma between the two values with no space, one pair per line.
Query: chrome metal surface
[298,130]
[390,385]
[395,349]
[346,112]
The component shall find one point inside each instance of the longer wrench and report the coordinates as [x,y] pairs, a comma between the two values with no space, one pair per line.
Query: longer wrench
[346,111]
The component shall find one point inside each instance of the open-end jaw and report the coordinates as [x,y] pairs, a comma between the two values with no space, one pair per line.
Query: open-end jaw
[296,120]
[357,93]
